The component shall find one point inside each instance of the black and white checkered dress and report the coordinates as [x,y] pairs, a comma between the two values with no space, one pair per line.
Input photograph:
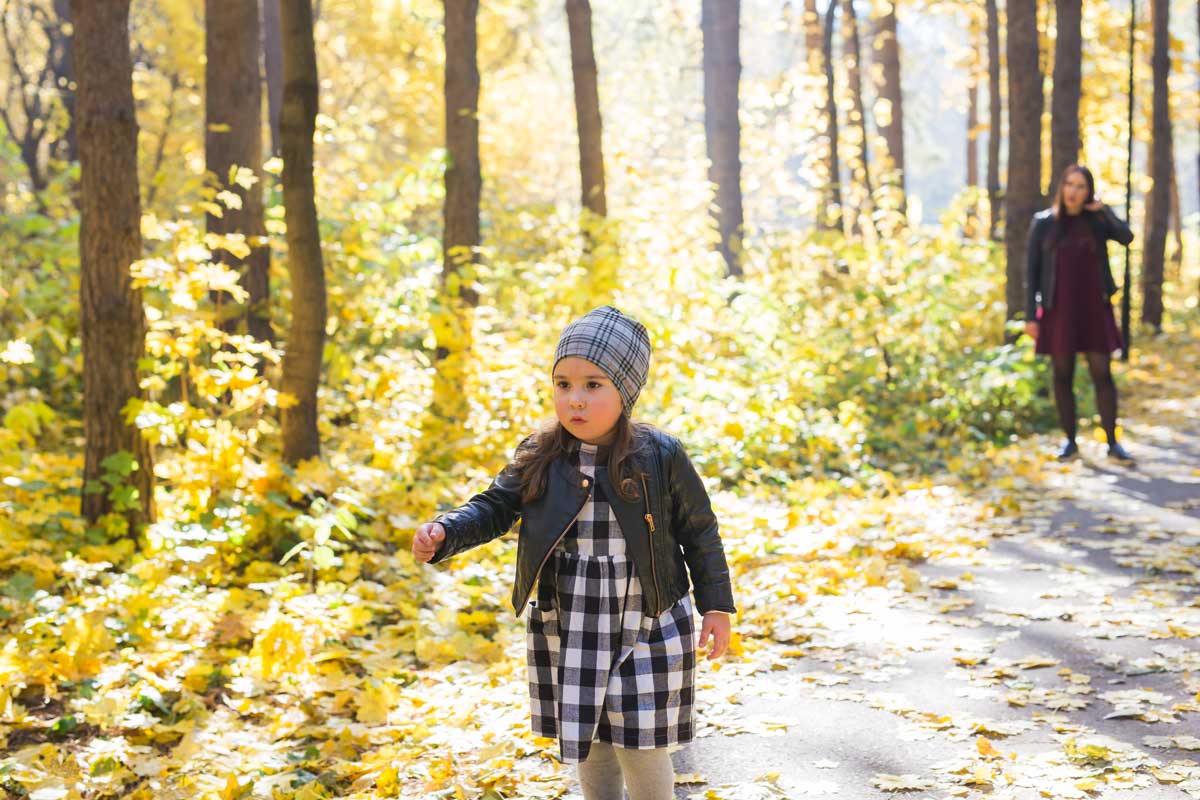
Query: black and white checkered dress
[598,668]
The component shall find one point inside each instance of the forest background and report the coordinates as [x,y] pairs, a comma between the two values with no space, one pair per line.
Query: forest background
[810,351]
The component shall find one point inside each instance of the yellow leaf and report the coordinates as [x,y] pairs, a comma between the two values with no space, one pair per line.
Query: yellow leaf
[986,748]
[901,783]
[375,703]
[689,777]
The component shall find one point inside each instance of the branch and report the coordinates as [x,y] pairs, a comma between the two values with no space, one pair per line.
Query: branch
[160,149]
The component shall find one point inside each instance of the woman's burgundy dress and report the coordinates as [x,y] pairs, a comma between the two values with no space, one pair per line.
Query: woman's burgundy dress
[1081,318]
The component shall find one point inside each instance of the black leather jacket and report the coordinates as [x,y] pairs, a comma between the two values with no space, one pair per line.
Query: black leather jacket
[1041,268]
[671,525]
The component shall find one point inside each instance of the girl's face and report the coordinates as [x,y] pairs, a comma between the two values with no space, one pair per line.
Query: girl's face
[585,400]
[1075,192]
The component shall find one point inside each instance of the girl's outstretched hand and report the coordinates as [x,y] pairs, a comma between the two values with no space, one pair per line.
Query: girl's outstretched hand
[715,626]
[427,541]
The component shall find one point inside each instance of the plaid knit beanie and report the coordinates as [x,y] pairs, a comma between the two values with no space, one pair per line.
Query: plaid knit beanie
[614,342]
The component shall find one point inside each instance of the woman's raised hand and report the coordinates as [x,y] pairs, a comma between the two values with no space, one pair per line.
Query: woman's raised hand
[427,541]
[1095,205]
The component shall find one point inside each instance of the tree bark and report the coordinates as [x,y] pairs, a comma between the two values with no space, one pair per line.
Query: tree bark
[113,320]
[233,138]
[587,107]
[63,55]
[994,120]
[272,48]
[1025,101]
[464,182]
[830,216]
[1159,200]
[719,24]
[813,39]
[889,87]
[306,339]
[1064,98]
[972,134]
[1176,223]
[859,161]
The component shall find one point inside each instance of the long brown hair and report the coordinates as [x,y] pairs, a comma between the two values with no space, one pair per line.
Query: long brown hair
[1059,206]
[552,441]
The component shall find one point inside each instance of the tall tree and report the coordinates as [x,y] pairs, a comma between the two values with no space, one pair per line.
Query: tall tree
[719,24]
[233,153]
[306,338]
[972,133]
[464,182]
[830,215]
[1159,200]
[62,56]
[452,318]
[1025,102]
[860,166]
[587,107]
[888,86]
[813,38]
[994,121]
[113,324]
[272,48]
[38,48]
[1064,97]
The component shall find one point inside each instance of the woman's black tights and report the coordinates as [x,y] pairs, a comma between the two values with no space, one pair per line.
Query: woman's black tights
[1100,366]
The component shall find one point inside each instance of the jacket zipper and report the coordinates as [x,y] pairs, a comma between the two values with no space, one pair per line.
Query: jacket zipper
[650,525]
[550,552]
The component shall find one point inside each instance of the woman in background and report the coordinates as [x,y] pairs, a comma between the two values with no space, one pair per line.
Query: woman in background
[1069,310]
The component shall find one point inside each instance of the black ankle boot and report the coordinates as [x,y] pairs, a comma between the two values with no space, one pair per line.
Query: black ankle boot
[1069,452]
[1118,453]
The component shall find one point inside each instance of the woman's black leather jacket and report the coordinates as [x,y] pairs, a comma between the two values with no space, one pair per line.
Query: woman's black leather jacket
[1041,267]
[670,529]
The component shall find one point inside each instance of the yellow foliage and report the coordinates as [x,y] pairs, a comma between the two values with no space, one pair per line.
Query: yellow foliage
[281,649]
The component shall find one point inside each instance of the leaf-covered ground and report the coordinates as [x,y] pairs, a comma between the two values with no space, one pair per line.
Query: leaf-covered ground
[1010,628]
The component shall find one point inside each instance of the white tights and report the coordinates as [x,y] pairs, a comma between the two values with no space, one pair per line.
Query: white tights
[647,774]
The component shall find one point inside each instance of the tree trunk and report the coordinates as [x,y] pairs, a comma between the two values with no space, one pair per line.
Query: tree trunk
[63,49]
[1158,202]
[719,24]
[113,321]
[891,125]
[859,160]
[1064,97]
[232,139]
[272,48]
[1025,101]
[453,314]
[1176,224]
[587,107]
[994,121]
[830,216]
[306,339]
[972,134]
[813,39]
[464,183]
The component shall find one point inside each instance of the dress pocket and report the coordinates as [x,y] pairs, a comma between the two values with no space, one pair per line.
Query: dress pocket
[543,618]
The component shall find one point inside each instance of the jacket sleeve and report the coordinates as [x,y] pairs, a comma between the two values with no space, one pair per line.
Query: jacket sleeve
[695,529]
[1115,228]
[484,517]
[1033,269]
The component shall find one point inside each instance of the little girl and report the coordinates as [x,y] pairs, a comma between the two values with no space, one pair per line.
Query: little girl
[614,518]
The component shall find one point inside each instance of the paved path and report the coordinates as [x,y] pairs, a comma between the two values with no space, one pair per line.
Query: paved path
[1027,670]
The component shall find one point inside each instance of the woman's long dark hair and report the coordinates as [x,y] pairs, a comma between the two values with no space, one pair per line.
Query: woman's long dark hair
[1059,206]
[533,461]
